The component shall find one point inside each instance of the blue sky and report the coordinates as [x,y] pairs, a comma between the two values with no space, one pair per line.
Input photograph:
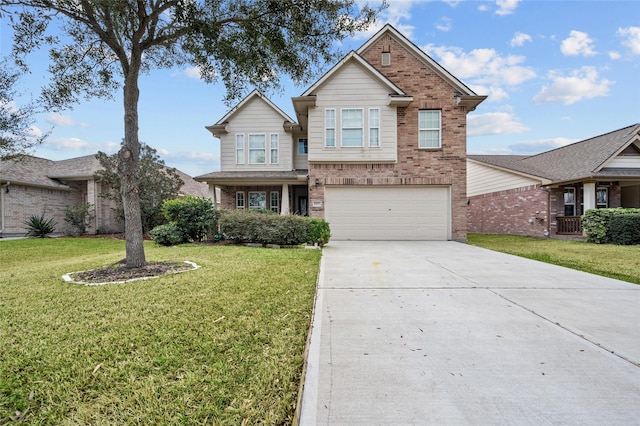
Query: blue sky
[555,72]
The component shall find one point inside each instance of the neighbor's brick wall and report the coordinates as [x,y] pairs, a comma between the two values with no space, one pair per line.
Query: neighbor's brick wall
[446,166]
[520,211]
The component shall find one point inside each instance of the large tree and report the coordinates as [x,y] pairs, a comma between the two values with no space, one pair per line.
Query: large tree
[108,43]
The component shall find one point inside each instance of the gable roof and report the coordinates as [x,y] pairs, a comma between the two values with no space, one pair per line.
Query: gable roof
[579,160]
[467,95]
[220,125]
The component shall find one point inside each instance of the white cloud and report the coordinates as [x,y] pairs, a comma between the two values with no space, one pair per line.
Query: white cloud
[192,72]
[538,146]
[506,7]
[519,39]
[34,132]
[62,144]
[495,94]
[581,84]
[578,43]
[631,38]
[482,66]
[60,120]
[614,55]
[444,24]
[396,11]
[494,123]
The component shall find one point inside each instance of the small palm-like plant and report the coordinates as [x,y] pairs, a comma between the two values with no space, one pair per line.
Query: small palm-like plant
[39,227]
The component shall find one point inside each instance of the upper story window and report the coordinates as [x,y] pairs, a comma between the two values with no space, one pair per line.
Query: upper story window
[429,127]
[240,149]
[275,149]
[330,128]
[257,149]
[602,198]
[303,147]
[352,127]
[374,127]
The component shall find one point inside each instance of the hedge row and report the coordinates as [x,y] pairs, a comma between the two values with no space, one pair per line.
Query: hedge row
[617,226]
[267,228]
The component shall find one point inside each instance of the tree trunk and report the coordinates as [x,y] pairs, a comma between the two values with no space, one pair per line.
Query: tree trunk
[128,170]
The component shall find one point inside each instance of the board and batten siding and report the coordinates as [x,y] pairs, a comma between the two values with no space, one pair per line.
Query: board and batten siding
[482,179]
[353,87]
[256,117]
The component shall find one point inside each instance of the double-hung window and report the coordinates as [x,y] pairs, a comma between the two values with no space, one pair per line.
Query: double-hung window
[374,127]
[274,149]
[569,201]
[258,200]
[239,200]
[602,198]
[429,124]
[330,128]
[352,132]
[240,149]
[257,149]
[274,202]
[303,147]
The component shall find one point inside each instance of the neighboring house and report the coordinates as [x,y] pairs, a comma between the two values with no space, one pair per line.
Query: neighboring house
[378,148]
[33,186]
[545,194]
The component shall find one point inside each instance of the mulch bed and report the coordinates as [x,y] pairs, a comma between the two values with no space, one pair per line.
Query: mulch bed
[119,271]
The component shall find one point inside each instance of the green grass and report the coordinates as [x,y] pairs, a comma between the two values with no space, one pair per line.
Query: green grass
[219,345]
[619,262]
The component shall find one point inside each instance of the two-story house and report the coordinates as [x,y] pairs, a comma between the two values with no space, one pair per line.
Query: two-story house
[378,147]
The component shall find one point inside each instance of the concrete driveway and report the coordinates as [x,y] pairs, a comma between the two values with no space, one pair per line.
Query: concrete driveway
[445,333]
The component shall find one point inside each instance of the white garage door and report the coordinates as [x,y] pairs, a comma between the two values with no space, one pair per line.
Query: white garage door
[388,213]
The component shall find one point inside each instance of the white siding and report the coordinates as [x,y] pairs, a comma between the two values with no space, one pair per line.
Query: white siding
[353,87]
[255,117]
[483,179]
[625,162]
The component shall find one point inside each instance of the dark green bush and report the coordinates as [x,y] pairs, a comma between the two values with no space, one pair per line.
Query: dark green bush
[596,223]
[78,217]
[625,229]
[39,227]
[168,234]
[255,227]
[194,216]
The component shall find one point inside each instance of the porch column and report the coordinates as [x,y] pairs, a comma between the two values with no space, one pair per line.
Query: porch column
[94,209]
[589,196]
[285,200]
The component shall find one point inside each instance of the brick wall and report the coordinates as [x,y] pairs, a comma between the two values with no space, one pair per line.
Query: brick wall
[415,166]
[520,211]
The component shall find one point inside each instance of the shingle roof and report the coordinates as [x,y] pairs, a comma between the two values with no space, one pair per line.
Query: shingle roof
[35,171]
[254,175]
[578,160]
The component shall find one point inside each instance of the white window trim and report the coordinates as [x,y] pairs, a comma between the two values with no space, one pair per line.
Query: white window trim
[257,192]
[564,201]
[374,127]
[362,128]
[334,128]
[264,149]
[240,139]
[605,205]
[307,145]
[275,206]
[244,200]
[439,129]
[271,148]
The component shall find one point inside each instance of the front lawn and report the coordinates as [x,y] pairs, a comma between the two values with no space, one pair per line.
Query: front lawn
[219,345]
[620,262]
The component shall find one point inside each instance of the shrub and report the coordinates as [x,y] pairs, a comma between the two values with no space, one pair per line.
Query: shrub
[625,229]
[168,234]
[194,216]
[256,227]
[597,223]
[39,227]
[78,217]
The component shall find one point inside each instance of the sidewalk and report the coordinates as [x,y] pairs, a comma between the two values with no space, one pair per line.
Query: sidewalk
[446,333]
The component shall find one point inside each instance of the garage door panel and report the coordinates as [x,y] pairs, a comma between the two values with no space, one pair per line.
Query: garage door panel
[388,213]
